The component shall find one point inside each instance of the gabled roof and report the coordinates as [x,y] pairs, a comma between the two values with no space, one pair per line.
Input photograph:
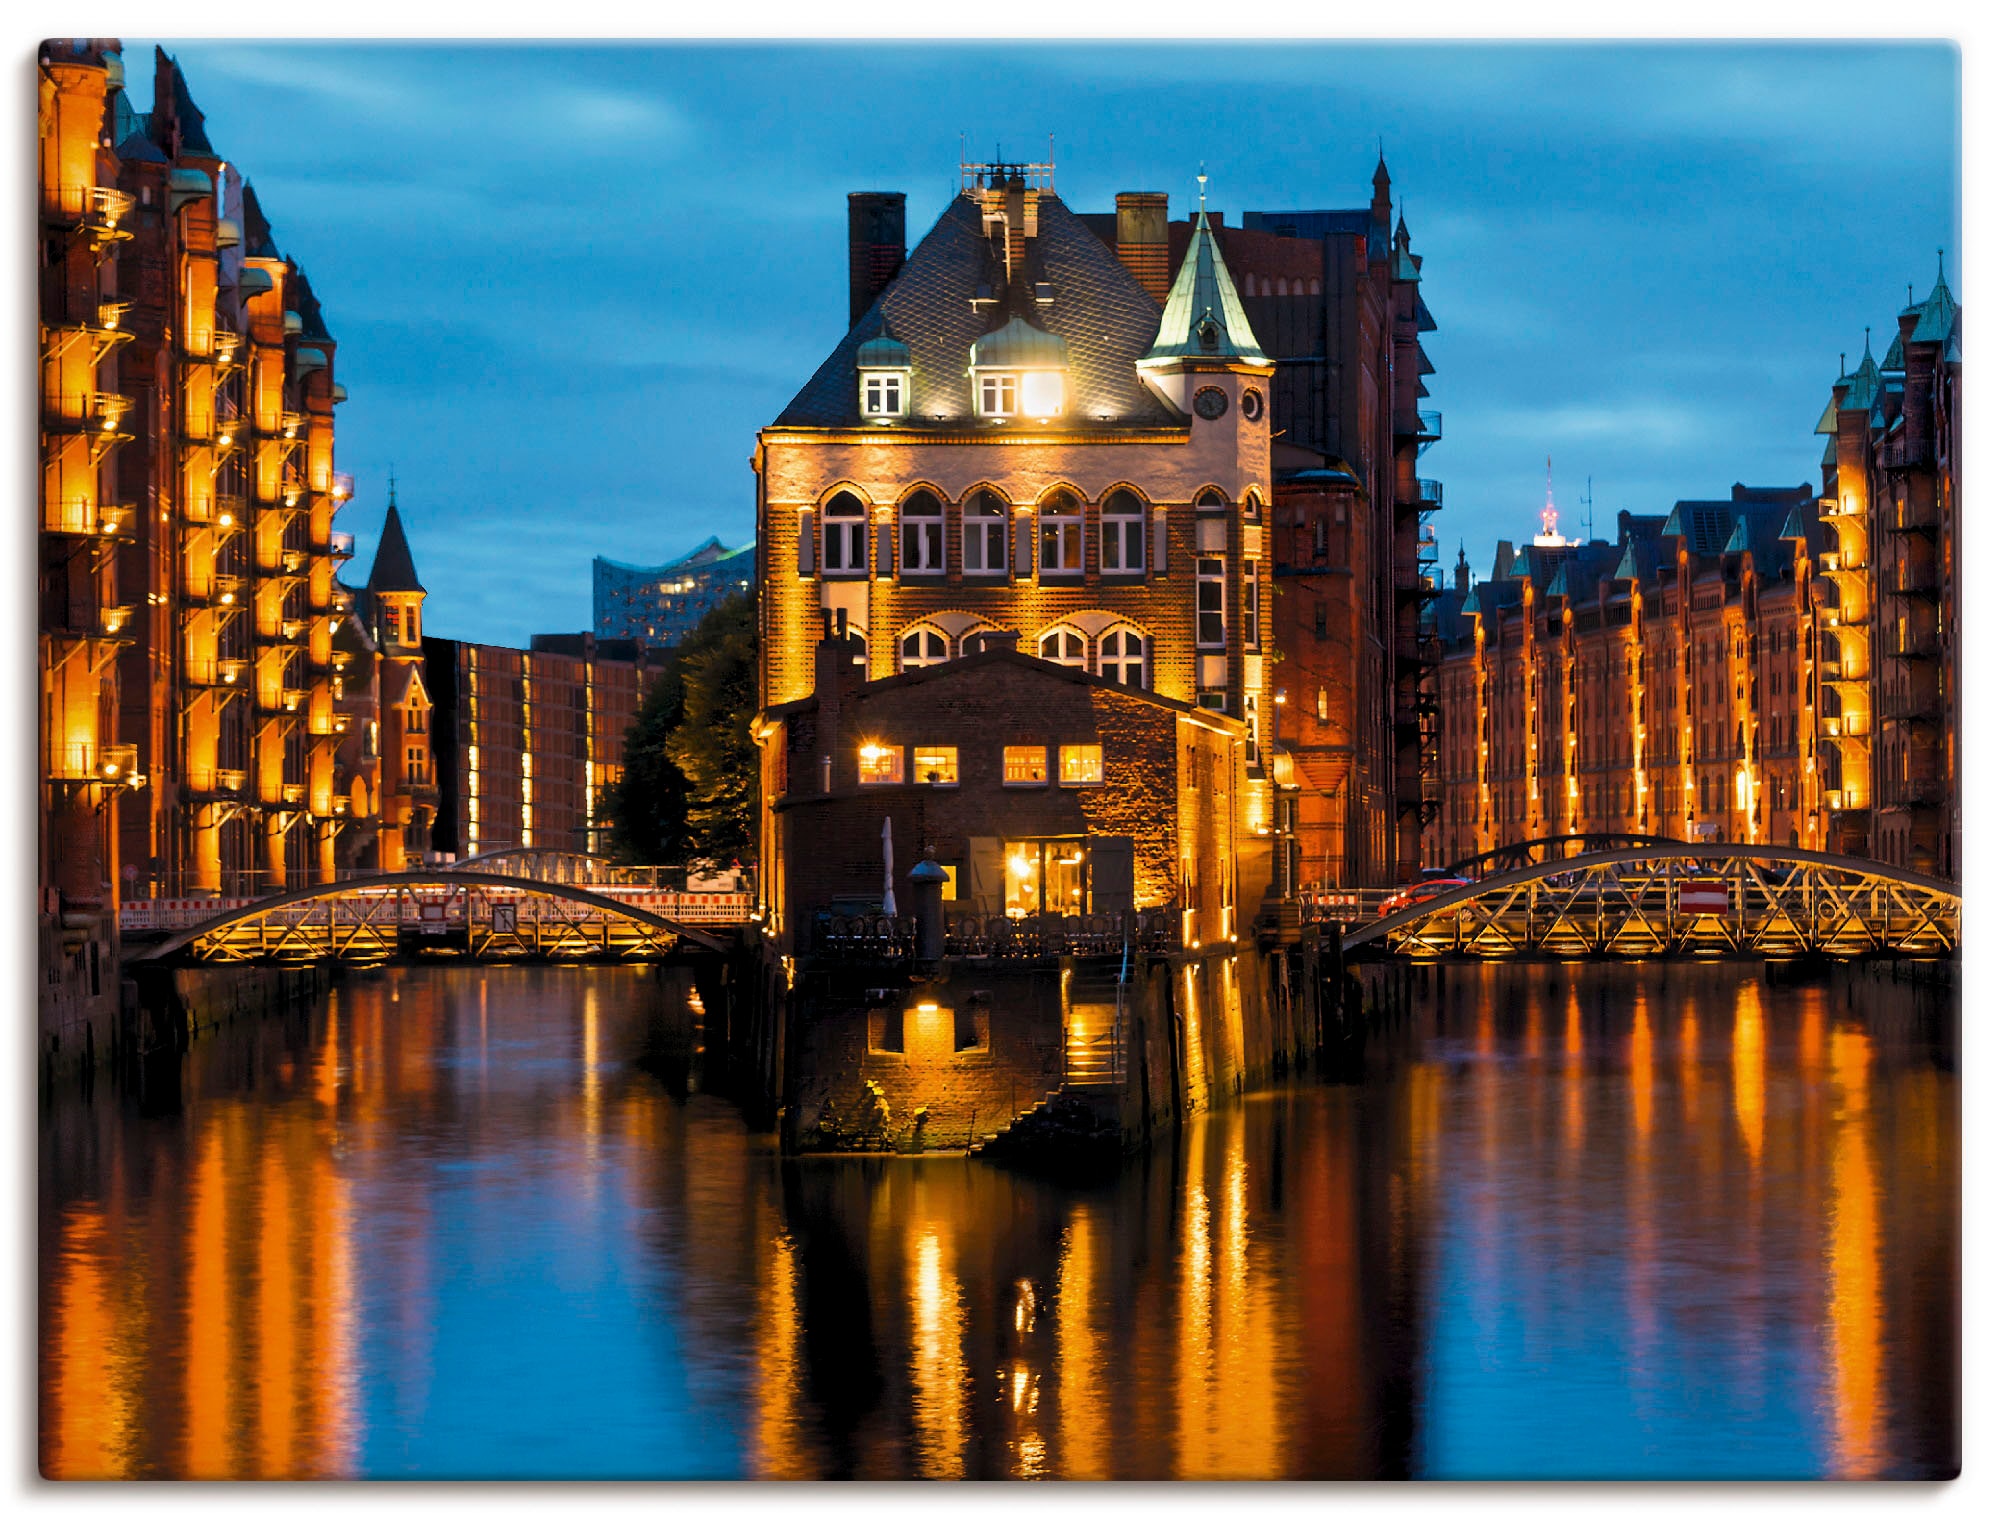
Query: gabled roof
[1204,317]
[1099,310]
[194,137]
[394,569]
[1706,525]
[1638,547]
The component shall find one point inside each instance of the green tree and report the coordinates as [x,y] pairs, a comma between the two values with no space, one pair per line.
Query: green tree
[690,782]
[711,744]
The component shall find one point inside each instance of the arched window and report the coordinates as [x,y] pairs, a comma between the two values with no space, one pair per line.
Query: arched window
[923,534]
[1267,285]
[1312,287]
[1122,546]
[1063,646]
[846,550]
[923,646]
[1253,506]
[985,535]
[1209,499]
[1062,535]
[1121,656]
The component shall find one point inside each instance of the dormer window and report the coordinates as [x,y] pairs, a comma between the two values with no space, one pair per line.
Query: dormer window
[884,366]
[882,393]
[1019,371]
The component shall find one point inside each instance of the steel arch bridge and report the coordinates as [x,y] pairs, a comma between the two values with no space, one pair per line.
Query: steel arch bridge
[1745,900]
[1523,853]
[465,914]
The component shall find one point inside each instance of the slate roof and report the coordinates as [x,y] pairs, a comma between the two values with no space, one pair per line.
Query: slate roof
[1099,310]
[139,148]
[1204,317]
[1939,317]
[194,137]
[394,569]
[256,228]
[312,325]
[1705,524]
[1864,385]
[1639,547]
[1760,532]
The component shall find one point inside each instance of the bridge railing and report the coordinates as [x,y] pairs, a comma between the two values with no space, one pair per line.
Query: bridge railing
[874,937]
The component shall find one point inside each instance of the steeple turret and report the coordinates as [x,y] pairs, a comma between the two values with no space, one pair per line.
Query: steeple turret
[393,587]
[1204,318]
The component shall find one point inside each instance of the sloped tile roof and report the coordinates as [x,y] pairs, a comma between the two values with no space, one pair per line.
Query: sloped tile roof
[1099,310]
[1204,317]
[394,569]
[1939,316]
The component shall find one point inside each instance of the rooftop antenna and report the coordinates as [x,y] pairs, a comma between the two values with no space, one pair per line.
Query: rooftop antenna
[1589,516]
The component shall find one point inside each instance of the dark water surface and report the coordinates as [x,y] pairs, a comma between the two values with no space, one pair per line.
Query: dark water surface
[1567,1223]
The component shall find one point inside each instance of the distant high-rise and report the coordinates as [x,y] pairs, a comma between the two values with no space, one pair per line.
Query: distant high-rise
[660,605]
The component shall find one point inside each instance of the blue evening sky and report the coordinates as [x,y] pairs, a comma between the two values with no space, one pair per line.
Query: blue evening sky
[571,282]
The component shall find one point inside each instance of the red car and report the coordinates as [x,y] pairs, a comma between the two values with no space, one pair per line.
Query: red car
[1422,891]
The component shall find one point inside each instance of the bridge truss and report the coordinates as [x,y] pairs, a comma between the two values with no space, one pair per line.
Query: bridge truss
[1699,899]
[440,913]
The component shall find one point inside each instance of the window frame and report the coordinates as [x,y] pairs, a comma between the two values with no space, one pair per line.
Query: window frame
[1064,529]
[923,662]
[1107,658]
[1063,630]
[918,775]
[1211,573]
[873,379]
[1063,754]
[863,774]
[1011,753]
[923,531]
[992,530]
[1122,526]
[998,385]
[851,529]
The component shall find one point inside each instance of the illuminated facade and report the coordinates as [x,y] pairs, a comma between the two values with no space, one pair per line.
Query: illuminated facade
[1660,685]
[524,743]
[660,605]
[1781,667]
[187,495]
[1016,436]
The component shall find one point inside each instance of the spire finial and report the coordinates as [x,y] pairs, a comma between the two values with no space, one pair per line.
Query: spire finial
[392,485]
[1940,266]
[1201,179]
[1867,344]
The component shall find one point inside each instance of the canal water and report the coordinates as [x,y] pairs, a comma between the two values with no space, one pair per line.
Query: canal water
[481,1223]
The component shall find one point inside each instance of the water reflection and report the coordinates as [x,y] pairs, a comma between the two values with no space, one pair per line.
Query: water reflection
[1568,1223]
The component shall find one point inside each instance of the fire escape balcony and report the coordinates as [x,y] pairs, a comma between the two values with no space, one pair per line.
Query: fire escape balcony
[96,209]
[93,413]
[340,545]
[81,517]
[1918,519]
[1906,453]
[1919,583]
[1414,584]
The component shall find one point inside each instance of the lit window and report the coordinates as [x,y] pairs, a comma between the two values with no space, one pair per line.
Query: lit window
[1121,656]
[936,767]
[1210,622]
[999,395]
[881,764]
[846,537]
[1251,636]
[985,535]
[1082,765]
[1122,546]
[1042,393]
[1025,765]
[1062,535]
[882,393]
[924,646]
[1063,646]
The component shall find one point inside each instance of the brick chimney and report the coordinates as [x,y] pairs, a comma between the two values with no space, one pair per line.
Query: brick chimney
[1142,240]
[836,679]
[874,246]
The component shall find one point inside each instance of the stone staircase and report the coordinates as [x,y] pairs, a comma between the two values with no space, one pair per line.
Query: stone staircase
[1093,1053]
[984,1142]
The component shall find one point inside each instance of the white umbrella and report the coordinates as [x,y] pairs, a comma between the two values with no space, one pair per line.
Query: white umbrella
[888,872]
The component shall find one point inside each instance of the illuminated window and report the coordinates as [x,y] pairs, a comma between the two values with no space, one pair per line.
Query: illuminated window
[1063,646]
[1210,622]
[924,646]
[1062,535]
[1025,765]
[1082,765]
[1042,393]
[999,395]
[985,535]
[1122,546]
[846,551]
[923,535]
[881,764]
[1251,637]
[936,766]
[882,393]
[1121,656]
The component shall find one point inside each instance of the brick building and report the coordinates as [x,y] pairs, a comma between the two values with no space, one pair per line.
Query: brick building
[1040,787]
[1780,667]
[187,556]
[660,605]
[1016,436]
[1334,299]
[524,742]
